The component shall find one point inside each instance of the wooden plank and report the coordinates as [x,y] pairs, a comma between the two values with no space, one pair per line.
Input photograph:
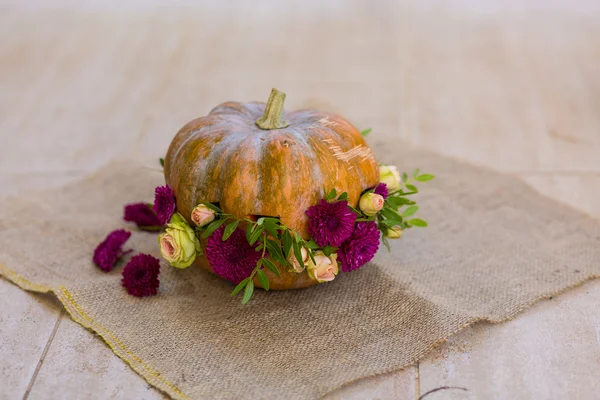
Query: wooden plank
[26,324]
[80,366]
[475,80]
[399,385]
[552,351]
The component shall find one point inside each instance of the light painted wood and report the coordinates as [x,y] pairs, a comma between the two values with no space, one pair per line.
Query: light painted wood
[400,385]
[26,324]
[510,85]
[80,366]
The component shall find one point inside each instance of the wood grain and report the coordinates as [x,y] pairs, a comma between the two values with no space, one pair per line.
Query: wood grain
[511,85]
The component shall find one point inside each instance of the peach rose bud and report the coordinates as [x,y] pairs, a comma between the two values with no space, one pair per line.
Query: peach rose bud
[202,215]
[294,261]
[371,203]
[394,232]
[325,269]
[389,175]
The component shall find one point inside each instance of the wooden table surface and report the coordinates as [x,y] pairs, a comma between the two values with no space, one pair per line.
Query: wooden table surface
[511,85]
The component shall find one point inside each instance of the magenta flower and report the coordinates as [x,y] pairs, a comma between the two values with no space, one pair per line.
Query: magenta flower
[164,203]
[111,249]
[140,275]
[233,259]
[361,247]
[382,190]
[330,223]
[142,215]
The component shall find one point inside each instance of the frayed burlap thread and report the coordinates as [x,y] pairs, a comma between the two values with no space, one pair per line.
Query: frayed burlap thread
[493,248]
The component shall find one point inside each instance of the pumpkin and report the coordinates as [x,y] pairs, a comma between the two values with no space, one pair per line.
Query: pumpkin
[254,159]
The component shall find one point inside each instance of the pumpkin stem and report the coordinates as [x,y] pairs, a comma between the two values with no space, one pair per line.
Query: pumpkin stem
[273,116]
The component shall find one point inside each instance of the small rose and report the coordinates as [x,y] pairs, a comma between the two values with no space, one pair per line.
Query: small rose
[325,269]
[179,244]
[294,261]
[389,175]
[371,203]
[202,215]
[393,232]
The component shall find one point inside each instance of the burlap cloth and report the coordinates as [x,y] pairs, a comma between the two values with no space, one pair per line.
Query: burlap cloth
[494,247]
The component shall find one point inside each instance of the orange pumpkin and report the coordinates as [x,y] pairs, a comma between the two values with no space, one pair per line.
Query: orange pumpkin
[254,159]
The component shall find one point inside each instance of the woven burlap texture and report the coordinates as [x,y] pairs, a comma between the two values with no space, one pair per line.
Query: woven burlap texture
[494,247]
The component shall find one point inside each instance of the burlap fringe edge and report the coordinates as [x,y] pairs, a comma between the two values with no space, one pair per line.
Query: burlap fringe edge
[154,377]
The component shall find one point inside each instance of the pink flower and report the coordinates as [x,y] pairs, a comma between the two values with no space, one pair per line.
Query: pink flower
[140,275]
[111,249]
[330,223]
[361,247]
[233,259]
[142,215]
[370,203]
[382,190]
[325,269]
[164,203]
[202,215]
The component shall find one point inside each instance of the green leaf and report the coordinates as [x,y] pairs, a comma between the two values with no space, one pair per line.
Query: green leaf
[249,229]
[213,227]
[240,286]
[404,177]
[260,221]
[212,206]
[162,162]
[287,243]
[389,213]
[311,244]
[412,187]
[396,202]
[332,194]
[275,251]
[366,132]
[343,196]
[386,243]
[262,278]
[410,211]
[298,252]
[391,222]
[424,177]
[418,222]
[255,235]
[270,227]
[230,229]
[248,292]
[327,250]
[416,173]
[269,264]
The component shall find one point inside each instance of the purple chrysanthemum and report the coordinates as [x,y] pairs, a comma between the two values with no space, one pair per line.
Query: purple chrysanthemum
[164,203]
[111,249]
[233,259]
[142,215]
[361,247]
[140,275]
[382,190]
[330,223]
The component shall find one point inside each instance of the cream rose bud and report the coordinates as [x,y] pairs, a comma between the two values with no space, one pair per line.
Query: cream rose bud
[179,244]
[324,269]
[389,175]
[202,215]
[371,203]
[294,261]
[394,232]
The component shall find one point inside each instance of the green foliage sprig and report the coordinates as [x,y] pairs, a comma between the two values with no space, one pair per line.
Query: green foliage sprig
[277,241]
[281,243]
